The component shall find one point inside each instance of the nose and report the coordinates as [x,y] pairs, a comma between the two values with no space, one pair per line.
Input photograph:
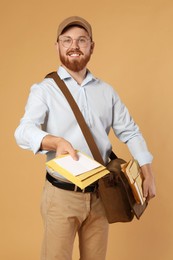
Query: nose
[75,44]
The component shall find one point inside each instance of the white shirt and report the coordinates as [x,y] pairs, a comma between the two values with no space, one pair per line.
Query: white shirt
[48,112]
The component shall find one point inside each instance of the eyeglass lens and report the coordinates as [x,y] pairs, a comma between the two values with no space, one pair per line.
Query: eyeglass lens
[68,41]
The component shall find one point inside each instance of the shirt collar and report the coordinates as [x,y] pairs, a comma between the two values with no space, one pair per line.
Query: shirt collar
[65,75]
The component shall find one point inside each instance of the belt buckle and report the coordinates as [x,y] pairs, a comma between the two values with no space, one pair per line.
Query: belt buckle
[75,189]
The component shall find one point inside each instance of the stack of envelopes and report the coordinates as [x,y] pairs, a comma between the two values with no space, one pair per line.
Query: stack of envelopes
[133,173]
[82,173]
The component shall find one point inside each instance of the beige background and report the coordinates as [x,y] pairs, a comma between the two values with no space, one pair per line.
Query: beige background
[134,53]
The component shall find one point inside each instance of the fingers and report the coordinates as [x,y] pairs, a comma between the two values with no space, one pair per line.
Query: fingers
[73,153]
[64,147]
[149,190]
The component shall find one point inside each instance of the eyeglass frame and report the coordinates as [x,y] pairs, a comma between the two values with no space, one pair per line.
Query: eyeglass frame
[72,40]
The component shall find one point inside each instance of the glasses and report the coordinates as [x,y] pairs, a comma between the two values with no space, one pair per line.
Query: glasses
[67,41]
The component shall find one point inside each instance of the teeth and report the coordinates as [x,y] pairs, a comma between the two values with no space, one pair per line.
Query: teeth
[74,55]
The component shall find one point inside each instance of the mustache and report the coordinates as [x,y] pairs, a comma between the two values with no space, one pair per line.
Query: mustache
[74,51]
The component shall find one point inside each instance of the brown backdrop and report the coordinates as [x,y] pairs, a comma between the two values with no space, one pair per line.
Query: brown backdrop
[134,53]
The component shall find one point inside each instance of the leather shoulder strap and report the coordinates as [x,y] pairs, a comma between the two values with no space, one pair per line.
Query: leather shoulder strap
[79,117]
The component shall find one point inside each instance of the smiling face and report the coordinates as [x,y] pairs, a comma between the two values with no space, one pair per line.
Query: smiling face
[75,48]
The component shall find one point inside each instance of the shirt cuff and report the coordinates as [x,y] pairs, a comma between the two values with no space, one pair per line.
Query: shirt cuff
[138,148]
[36,142]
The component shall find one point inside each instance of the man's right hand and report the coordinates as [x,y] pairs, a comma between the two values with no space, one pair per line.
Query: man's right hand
[59,145]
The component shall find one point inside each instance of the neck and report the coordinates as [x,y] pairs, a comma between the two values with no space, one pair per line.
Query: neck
[78,76]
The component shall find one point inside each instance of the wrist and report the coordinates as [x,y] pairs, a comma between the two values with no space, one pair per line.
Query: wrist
[147,170]
[50,142]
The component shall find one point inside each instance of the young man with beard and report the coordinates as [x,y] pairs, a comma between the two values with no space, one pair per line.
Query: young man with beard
[50,127]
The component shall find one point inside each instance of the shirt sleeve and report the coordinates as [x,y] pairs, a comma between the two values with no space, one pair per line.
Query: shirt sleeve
[128,132]
[29,133]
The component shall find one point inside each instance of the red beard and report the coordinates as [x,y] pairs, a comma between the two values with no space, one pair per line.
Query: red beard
[75,65]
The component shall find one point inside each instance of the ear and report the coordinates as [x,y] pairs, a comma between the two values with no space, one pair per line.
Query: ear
[92,47]
[57,46]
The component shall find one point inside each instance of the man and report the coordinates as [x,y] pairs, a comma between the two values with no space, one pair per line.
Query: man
[49,126]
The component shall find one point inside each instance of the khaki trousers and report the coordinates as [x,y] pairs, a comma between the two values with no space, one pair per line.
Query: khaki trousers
[66,213]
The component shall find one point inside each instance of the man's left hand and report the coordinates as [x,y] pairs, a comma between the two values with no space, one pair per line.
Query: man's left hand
[149,187]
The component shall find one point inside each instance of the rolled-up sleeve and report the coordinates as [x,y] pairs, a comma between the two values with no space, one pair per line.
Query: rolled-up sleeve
[139,150]
[29,133]
[128,132]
